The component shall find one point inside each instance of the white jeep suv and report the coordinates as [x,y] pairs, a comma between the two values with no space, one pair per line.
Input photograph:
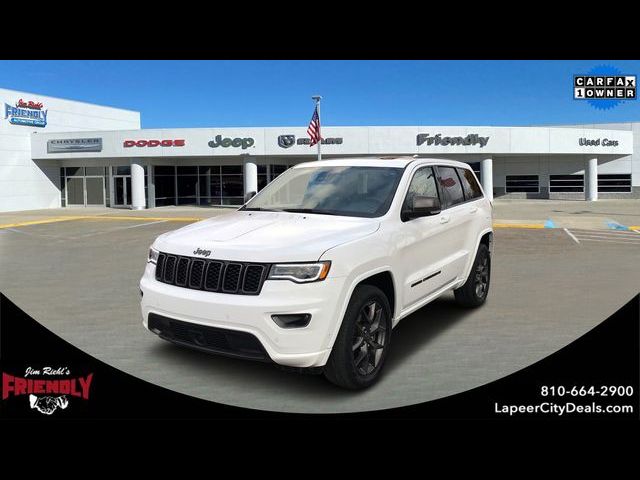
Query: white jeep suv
[317,268]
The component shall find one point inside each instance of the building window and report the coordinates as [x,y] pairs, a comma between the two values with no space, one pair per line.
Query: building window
[165,184]
[522,184]
[566,183]
[187,184]
[63,184]
[75,171]
[263,176]
[277,170]
[616,182]
[122,170]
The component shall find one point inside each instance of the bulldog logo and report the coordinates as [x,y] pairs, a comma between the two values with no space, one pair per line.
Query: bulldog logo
[286,141]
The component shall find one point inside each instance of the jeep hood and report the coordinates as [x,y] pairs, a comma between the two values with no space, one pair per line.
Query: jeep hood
[268,237]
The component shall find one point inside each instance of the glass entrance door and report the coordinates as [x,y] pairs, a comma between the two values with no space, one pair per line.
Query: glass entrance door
[85,191]
[94,187]
[122,191]
[75,191]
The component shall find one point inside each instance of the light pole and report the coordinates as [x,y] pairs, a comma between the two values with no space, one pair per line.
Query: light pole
[317,99]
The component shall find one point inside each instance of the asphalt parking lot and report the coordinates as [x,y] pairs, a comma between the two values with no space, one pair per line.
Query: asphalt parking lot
[76,272]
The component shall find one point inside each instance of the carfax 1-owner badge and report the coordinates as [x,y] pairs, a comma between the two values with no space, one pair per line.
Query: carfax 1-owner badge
[46,389]
[604,87]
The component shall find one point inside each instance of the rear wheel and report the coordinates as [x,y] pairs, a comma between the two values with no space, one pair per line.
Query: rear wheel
[360,349]
[474,292]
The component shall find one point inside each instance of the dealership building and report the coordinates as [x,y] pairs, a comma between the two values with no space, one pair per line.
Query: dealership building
[62,153]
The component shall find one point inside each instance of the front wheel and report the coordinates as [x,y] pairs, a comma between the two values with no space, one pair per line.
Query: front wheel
[474,292]
[361,347]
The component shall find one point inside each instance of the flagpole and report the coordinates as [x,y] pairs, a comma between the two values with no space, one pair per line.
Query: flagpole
[317,98]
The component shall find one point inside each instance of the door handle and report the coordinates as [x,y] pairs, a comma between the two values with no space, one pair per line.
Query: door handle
[473,209]
[445,219]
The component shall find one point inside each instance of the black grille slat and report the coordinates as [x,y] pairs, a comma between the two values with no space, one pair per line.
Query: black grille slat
[221,276]
[168,275]
[181,271]
[231,278]
[212,280]
[159,265]
[197,273]
[252,278]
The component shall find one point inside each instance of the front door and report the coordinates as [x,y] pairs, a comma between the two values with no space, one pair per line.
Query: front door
[423,250]
[122,191]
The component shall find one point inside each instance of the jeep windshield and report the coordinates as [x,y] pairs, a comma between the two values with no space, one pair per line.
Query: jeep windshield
[352,191]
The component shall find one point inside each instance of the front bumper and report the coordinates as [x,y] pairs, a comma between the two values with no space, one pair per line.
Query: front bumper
[308,346]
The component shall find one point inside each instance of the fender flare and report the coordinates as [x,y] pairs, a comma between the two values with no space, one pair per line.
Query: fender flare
[482,233]
[352,286]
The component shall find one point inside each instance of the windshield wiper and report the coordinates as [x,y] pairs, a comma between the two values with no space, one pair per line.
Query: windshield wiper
[308,210]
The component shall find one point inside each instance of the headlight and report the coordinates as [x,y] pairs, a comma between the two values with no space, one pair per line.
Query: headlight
[153,256]
[300,272]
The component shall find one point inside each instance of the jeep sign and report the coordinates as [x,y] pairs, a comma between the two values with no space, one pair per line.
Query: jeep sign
[232,142]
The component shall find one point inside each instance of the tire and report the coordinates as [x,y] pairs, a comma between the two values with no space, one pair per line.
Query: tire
[475,290]
[353,367]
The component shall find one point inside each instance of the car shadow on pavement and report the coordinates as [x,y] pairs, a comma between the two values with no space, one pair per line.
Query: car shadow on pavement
[416,331]
[412,334]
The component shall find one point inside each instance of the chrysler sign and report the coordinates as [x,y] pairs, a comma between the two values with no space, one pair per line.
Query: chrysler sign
[439,140]
[65,145]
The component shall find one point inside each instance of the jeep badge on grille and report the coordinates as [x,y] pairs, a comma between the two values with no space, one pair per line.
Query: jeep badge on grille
[204,253]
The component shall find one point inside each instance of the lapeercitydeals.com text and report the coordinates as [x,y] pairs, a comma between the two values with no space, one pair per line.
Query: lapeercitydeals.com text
[562,409]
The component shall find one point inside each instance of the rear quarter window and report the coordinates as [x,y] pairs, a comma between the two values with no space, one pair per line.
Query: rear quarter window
[469,184]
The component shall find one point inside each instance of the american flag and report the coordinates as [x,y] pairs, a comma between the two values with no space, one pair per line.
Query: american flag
[314,128]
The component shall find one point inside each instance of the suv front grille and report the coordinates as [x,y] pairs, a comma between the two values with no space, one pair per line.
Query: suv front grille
[239,278]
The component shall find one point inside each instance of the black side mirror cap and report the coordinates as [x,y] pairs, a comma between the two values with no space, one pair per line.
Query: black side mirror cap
[422,206]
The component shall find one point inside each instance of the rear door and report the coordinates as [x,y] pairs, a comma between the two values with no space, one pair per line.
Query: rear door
[456,218]
[478,210]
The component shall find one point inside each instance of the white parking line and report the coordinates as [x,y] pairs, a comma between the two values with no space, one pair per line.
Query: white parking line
[609,237]
[571,235]
[144,224]
[609,241]
[620,233]
[43,235]
[93,234]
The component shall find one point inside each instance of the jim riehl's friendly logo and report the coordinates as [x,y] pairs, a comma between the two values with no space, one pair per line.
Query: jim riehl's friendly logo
[604,87]
[26,113]
[48,388]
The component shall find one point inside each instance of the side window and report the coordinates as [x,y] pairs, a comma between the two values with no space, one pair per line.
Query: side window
[423,183]
[450,185]
[469,184]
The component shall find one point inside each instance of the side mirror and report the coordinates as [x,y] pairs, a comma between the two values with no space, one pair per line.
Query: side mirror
[421,206]
[248,196]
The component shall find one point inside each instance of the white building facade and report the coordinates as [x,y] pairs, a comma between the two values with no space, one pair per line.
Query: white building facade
[90,155]
[24,183]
